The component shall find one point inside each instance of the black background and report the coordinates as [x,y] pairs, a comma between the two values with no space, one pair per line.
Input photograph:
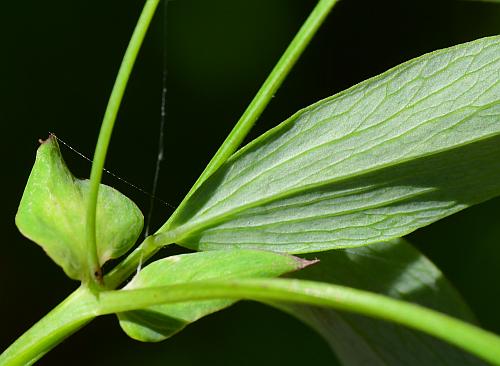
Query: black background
[57,66]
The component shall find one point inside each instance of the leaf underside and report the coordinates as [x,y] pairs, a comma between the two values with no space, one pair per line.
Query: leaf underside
[395,269]
[161,322]
[375,162]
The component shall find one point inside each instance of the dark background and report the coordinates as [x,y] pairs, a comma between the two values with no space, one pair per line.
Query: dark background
[57,65]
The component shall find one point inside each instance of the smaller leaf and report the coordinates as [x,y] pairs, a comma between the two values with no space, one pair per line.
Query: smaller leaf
[52,214]
[161,322]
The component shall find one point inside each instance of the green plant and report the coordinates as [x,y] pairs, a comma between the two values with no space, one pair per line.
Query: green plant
[374,197]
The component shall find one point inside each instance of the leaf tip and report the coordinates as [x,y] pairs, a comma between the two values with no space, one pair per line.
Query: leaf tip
[52,137]
[303,263]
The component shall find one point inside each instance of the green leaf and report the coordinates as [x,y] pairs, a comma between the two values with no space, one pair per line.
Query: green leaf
[375,162]
[395,269]
[161,322]
[52,214]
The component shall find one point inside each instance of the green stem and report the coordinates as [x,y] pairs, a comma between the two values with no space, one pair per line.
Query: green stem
[31,346]
[62,321]
[37,341]
[107,129]
[235,138]
[473,339]
[82,306]
[125,268]
[263,96]
[239,132]
[142,253]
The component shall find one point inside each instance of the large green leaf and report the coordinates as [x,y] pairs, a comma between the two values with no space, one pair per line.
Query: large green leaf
[52,214]
[160,322]
[395,269]
[390,155]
